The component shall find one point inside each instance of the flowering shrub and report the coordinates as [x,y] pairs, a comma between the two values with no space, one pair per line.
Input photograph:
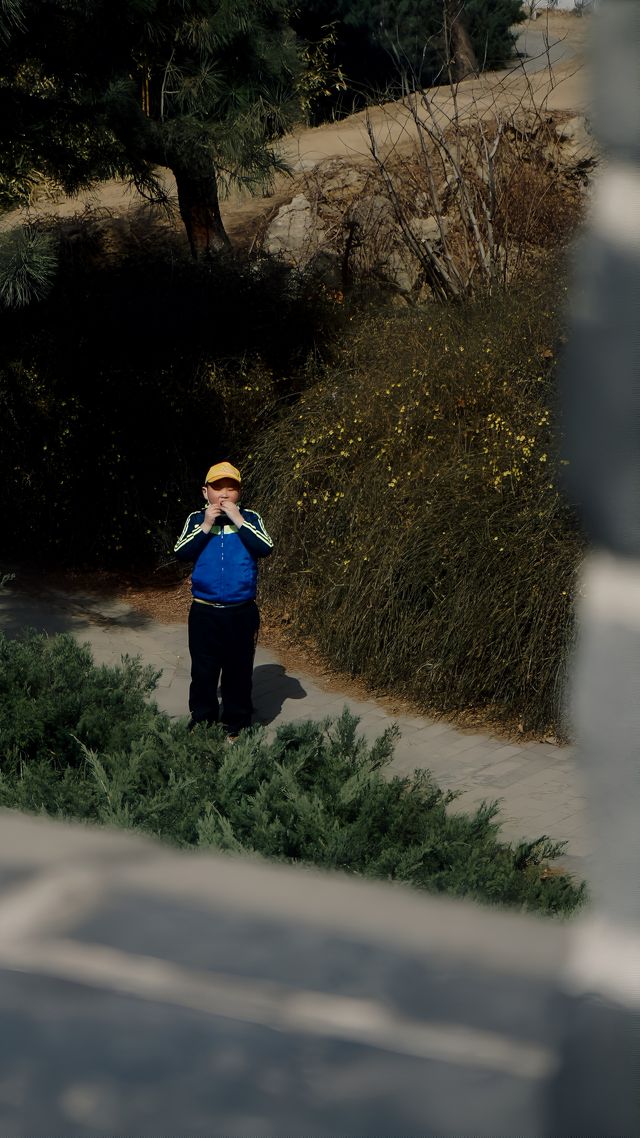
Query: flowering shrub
[421,537]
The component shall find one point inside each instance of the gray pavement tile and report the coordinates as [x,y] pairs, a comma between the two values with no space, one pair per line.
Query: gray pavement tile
[369,718]
[457,744]
[470,800]
[401,769]
[437,729]
[543,798]
[409,724]
[578,802]
[315,709]
[418,742]
[579,848]
[374,730]
[481,757]
[546,823]
[172,702]
[511,750]
[424,759]
[369,715]
[499,783]
[502,766]
[508,779]
[547,777]
[436,763]
[554,770]
[175,629]
[577,838]
[536,763]
[556,749]
[408,731]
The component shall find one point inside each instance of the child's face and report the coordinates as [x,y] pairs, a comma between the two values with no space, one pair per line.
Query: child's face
[221,491]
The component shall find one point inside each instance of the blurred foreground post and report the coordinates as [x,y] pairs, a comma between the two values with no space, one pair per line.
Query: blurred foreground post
[602,409]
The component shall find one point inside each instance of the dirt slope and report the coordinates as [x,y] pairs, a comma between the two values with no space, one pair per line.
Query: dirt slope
[549,74]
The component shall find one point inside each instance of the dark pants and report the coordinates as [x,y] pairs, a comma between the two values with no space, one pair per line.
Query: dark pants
[222,640]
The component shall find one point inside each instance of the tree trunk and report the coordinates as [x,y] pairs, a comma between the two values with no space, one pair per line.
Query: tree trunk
[460,46]
[200,212]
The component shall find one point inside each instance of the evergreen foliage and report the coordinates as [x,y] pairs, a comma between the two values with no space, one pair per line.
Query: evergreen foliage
[119,87]
[381,45]
[10,18]
[491,24]
[28,265]
[78,741]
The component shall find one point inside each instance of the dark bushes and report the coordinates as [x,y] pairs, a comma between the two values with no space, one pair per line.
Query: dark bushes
[119,390]
[384,47]
[82,742]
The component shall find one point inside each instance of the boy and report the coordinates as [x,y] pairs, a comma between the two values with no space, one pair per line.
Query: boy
[224,542]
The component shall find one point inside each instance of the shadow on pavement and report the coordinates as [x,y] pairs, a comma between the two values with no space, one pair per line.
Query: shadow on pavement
[54,612]
[271,687]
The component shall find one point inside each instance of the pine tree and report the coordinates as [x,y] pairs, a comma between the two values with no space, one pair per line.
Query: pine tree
[382,44]
[91,89]
[490,24]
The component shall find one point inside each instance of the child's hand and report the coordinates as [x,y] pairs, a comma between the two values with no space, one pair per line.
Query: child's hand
[210,515]
[232,511]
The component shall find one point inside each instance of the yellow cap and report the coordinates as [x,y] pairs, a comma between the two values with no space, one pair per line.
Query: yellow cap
[223,470]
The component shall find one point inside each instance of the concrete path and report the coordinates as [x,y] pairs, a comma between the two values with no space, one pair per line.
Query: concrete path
[541,46]
[538,784]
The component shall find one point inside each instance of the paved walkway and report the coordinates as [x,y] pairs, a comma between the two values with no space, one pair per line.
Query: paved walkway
[538,784]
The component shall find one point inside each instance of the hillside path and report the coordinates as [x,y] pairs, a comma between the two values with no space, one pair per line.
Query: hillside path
[548,73]
[538,784]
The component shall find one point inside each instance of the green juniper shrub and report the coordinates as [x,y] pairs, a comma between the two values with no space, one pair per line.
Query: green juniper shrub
[52,692]
[78,741]
[421,538]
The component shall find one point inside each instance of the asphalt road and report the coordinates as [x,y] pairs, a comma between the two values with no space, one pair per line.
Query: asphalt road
[540,47]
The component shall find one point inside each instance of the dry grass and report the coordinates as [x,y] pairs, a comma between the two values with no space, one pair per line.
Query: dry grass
[421,539]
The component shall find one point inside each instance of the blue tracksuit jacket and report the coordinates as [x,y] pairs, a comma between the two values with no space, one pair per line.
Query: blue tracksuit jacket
[225,560]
